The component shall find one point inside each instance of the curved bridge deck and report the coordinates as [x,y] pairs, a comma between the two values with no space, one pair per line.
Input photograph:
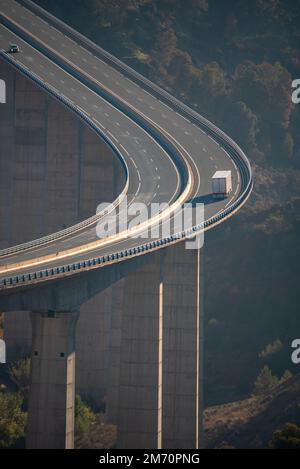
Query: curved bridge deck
[169,152]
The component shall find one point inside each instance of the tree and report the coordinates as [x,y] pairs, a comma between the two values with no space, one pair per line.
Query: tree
[213,79]
[84,417]
[266,89]
[166,45]
[242,124]
[182,70]
[271,349]
[286,376]
[286,438]
[265,381]
[288,146]
[12,419]
[20,374]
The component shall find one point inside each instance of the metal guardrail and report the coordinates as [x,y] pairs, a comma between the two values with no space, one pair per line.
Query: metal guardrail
[219,136]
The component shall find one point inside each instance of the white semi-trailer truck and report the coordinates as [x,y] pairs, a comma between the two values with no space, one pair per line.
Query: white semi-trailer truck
[221,184]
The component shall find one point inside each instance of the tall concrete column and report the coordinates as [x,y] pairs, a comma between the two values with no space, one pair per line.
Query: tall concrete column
[182,344]
[140,363]
[95,339]
[114,353]
[52,390]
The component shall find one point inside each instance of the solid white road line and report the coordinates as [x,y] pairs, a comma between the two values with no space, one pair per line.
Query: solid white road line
[134,163]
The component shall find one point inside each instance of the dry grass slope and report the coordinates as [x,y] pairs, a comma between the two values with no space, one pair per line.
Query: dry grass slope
[251,423]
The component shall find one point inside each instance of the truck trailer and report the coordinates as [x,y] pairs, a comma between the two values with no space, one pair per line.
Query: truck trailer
[221,184]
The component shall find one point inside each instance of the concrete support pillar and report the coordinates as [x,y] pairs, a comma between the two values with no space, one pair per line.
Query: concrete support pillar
[182,343]
[95,338]
[114,353]
[52,391]
[140,367]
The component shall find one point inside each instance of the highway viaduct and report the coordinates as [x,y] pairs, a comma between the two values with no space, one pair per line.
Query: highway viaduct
[79,128]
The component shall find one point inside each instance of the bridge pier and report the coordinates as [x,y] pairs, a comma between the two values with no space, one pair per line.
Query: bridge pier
[139,370]
[52,390]
[155,393]
[97,343]
[182,349]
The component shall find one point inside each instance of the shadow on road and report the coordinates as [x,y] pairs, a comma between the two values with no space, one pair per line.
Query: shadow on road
[206,199]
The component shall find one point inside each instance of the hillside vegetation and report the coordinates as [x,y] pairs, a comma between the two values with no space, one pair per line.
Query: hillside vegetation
[256,421]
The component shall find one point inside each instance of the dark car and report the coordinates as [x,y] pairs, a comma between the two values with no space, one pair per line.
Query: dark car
[13,49]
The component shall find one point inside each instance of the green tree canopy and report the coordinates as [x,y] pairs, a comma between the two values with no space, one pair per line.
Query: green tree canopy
[265,381]
[12,419]
[19,372]
[84,417]
[286,438]
[242,124]
[271,349]
[266,89]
